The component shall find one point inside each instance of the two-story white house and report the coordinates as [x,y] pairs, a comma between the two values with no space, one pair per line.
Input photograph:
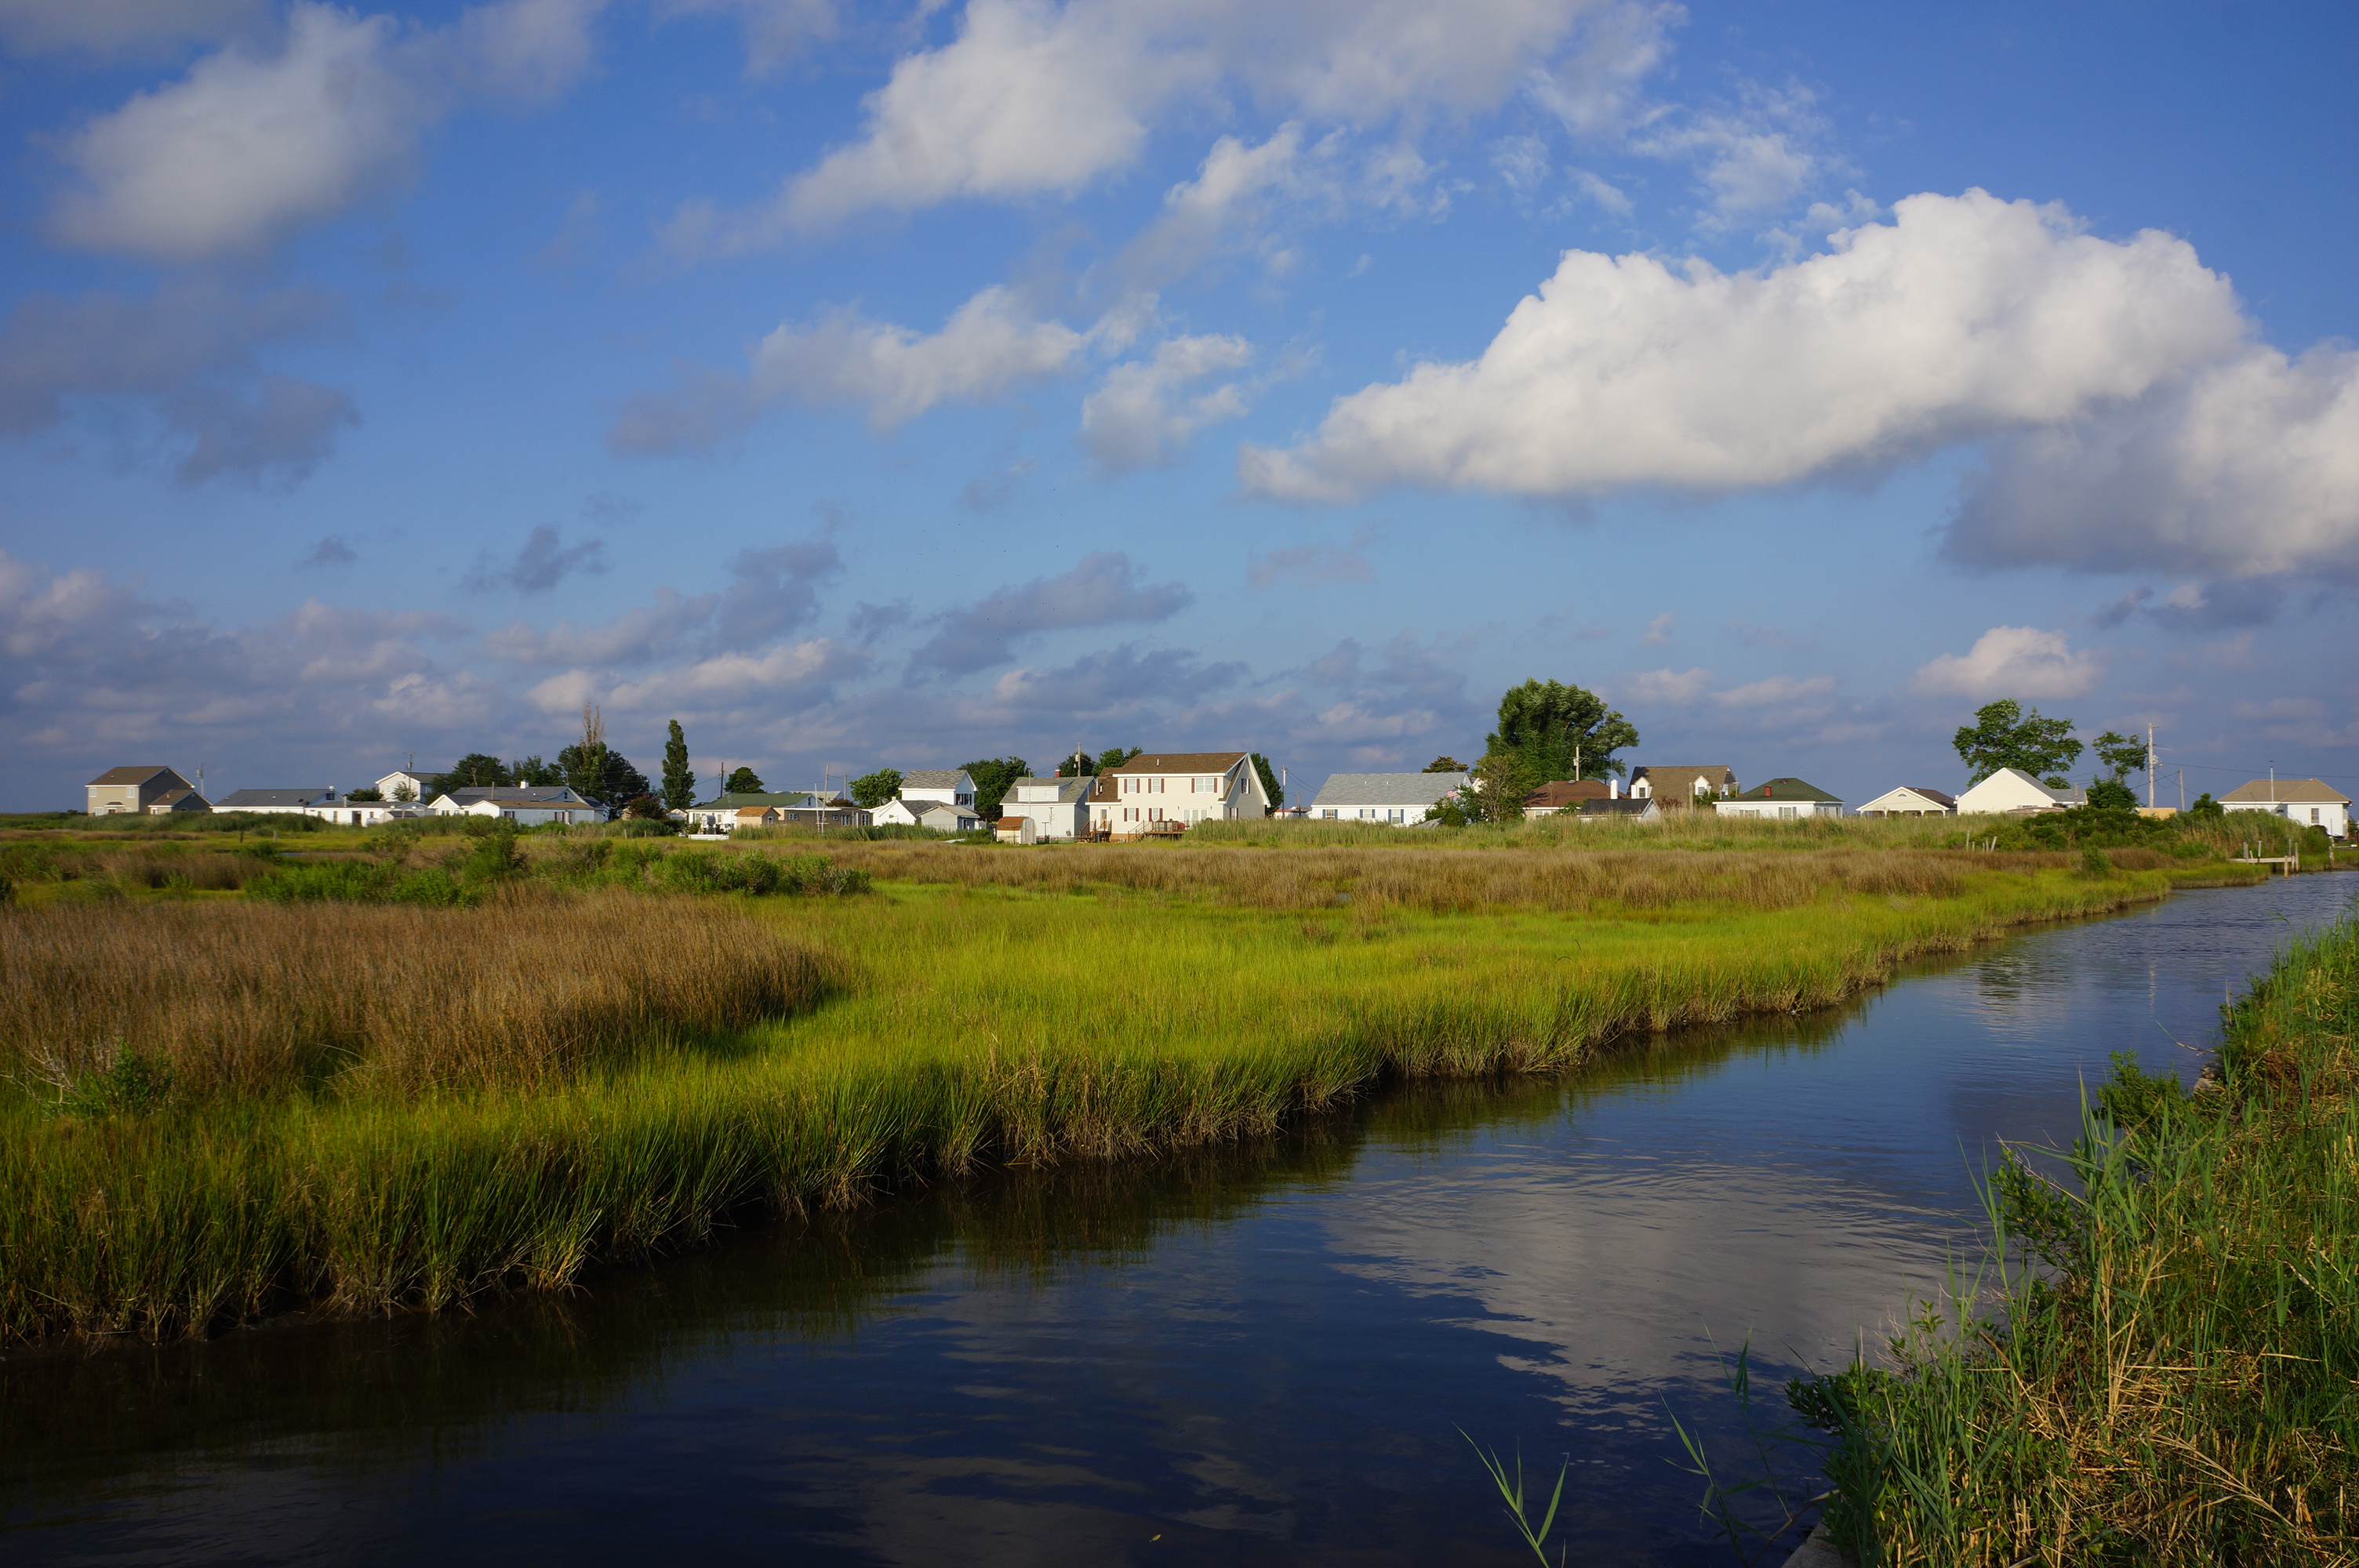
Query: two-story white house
[1171,792]
[403,786]
[2012,789]
[1057,808]
[951,786]
[2308,803]
[1399,799]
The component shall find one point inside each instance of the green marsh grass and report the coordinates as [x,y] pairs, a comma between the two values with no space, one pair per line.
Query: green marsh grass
[2159,1363]
[377,1107]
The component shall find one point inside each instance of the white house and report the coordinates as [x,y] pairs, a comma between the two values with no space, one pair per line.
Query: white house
[1781,799]
[1911,800]
[1684,785]
[283,802]
[420,786]
[1626,808]
[940,815]
[534,806]
[1173,791]
[951,786]
[1397,798]
[2012,789]
[2310,803]
[1057,808]
[345,812]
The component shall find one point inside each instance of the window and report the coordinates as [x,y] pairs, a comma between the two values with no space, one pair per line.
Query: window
[1328,815]
[2313,813]
[1392,817]
[1789,811]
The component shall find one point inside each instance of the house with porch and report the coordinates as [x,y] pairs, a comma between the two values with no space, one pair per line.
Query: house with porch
[1169,793]
[1911,800]
[1782,800]
[1398,799]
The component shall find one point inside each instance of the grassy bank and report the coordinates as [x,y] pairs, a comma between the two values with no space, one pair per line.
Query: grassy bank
[374,1106]
[2169,1370]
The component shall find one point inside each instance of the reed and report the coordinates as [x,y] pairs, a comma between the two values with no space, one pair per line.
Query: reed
[2158,1364]
[375,1105]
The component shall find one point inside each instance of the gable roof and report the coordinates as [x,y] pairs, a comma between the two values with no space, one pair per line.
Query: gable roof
[528,795]
[2067,797]
[1557,793]
[730,799]
[930,807]
[1388,789]
[2305,792]
[936,778]
[1626,807]
[239,799]
[1680,782]
[132,775]
[1181,762]
[1789,789]
[1067,790]
[1926,791]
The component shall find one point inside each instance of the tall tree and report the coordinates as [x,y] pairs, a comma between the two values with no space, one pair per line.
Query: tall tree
[2004,735]
[476,770]
[2124,754]
[679,784]
[1115,756]
[744,781]
[870,791]
[584,762]
[1502,779]
[1080,765]
[993,777]
[1268,779]
[1445,764]
[1561,731]
[532,773]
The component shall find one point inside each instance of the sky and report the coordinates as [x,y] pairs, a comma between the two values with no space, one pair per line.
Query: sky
[900,385]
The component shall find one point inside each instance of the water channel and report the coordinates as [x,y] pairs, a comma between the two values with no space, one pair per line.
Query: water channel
[1259,1356]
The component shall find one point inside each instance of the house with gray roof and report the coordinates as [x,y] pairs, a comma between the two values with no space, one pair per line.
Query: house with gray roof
[142,791]
[275,802]
[1402,800]
[1057,808]
[532,806]
[1781,799]
[950,785]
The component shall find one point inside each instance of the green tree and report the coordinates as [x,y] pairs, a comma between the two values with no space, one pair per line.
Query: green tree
[1268,779]
[993,777]
[531,773]
[2112,794]
[870,791]
[1501,781]
[2124,754]
[476,770]
[2004,736]
[744,781]
[2206,807]
[1080,765]
[679,784]
[644,808]
[1115,756]
[1445,764]
[404,791]
[1561,731]
[364,791]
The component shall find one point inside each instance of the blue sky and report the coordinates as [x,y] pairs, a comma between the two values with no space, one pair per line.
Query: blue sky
[900,385]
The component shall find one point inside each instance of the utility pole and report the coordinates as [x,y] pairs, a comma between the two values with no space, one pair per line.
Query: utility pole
[2182,789]
[2150,767]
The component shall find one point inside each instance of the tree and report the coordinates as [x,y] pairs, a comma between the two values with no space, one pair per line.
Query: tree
[2004,736]
[1561,731]
[2124,754]
[1268,779]
[1080,765]
[870,791]
[364,791]
[1502,780]
[1115,756]
[679,784]
[1445,764]
[644,808]
[993,777]
[2206,807]
[404,791]
[531,773]
[744,781]
[2112,794]
[476,770]
[584,762]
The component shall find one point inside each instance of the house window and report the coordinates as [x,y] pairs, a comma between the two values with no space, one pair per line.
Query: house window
[1328,815]
[2313,813]
[1789,811]
[1392,817]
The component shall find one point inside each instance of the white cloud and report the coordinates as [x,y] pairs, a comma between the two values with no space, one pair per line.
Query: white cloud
[2246,469]
[1659,631]
[1229,193]
[1675,688]
[795,673]
[990,345]
[1105,589]
[1138,415]
[250,145]
[1778,691]
[1754,158]
[1964,317]
[2012,661]
[776,30]
[1033,98]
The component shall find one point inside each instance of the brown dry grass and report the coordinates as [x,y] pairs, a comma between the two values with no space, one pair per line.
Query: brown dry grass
[256,999]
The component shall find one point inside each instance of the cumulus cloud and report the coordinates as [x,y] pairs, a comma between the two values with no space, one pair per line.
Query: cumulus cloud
[1964,317]
[771,594]
[990,345]
[186,355]
[2201,606]
[1675,688]
[252,144]
[2012,661]
[1141,414]
[1105,589]
[789,676]
[1113,684]
[1230,192]
[2248,468]
[1032,98]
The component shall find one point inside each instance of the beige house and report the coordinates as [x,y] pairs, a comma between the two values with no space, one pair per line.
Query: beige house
[2012,790]
[1669,787]
[142,792]
[1154,796]
[1910,800]
[2310,803]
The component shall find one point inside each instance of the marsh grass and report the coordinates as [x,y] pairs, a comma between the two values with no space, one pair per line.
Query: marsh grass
[379,1107]
[2160,1362]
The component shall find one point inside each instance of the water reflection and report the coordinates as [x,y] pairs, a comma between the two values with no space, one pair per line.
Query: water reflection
[1256,1356]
